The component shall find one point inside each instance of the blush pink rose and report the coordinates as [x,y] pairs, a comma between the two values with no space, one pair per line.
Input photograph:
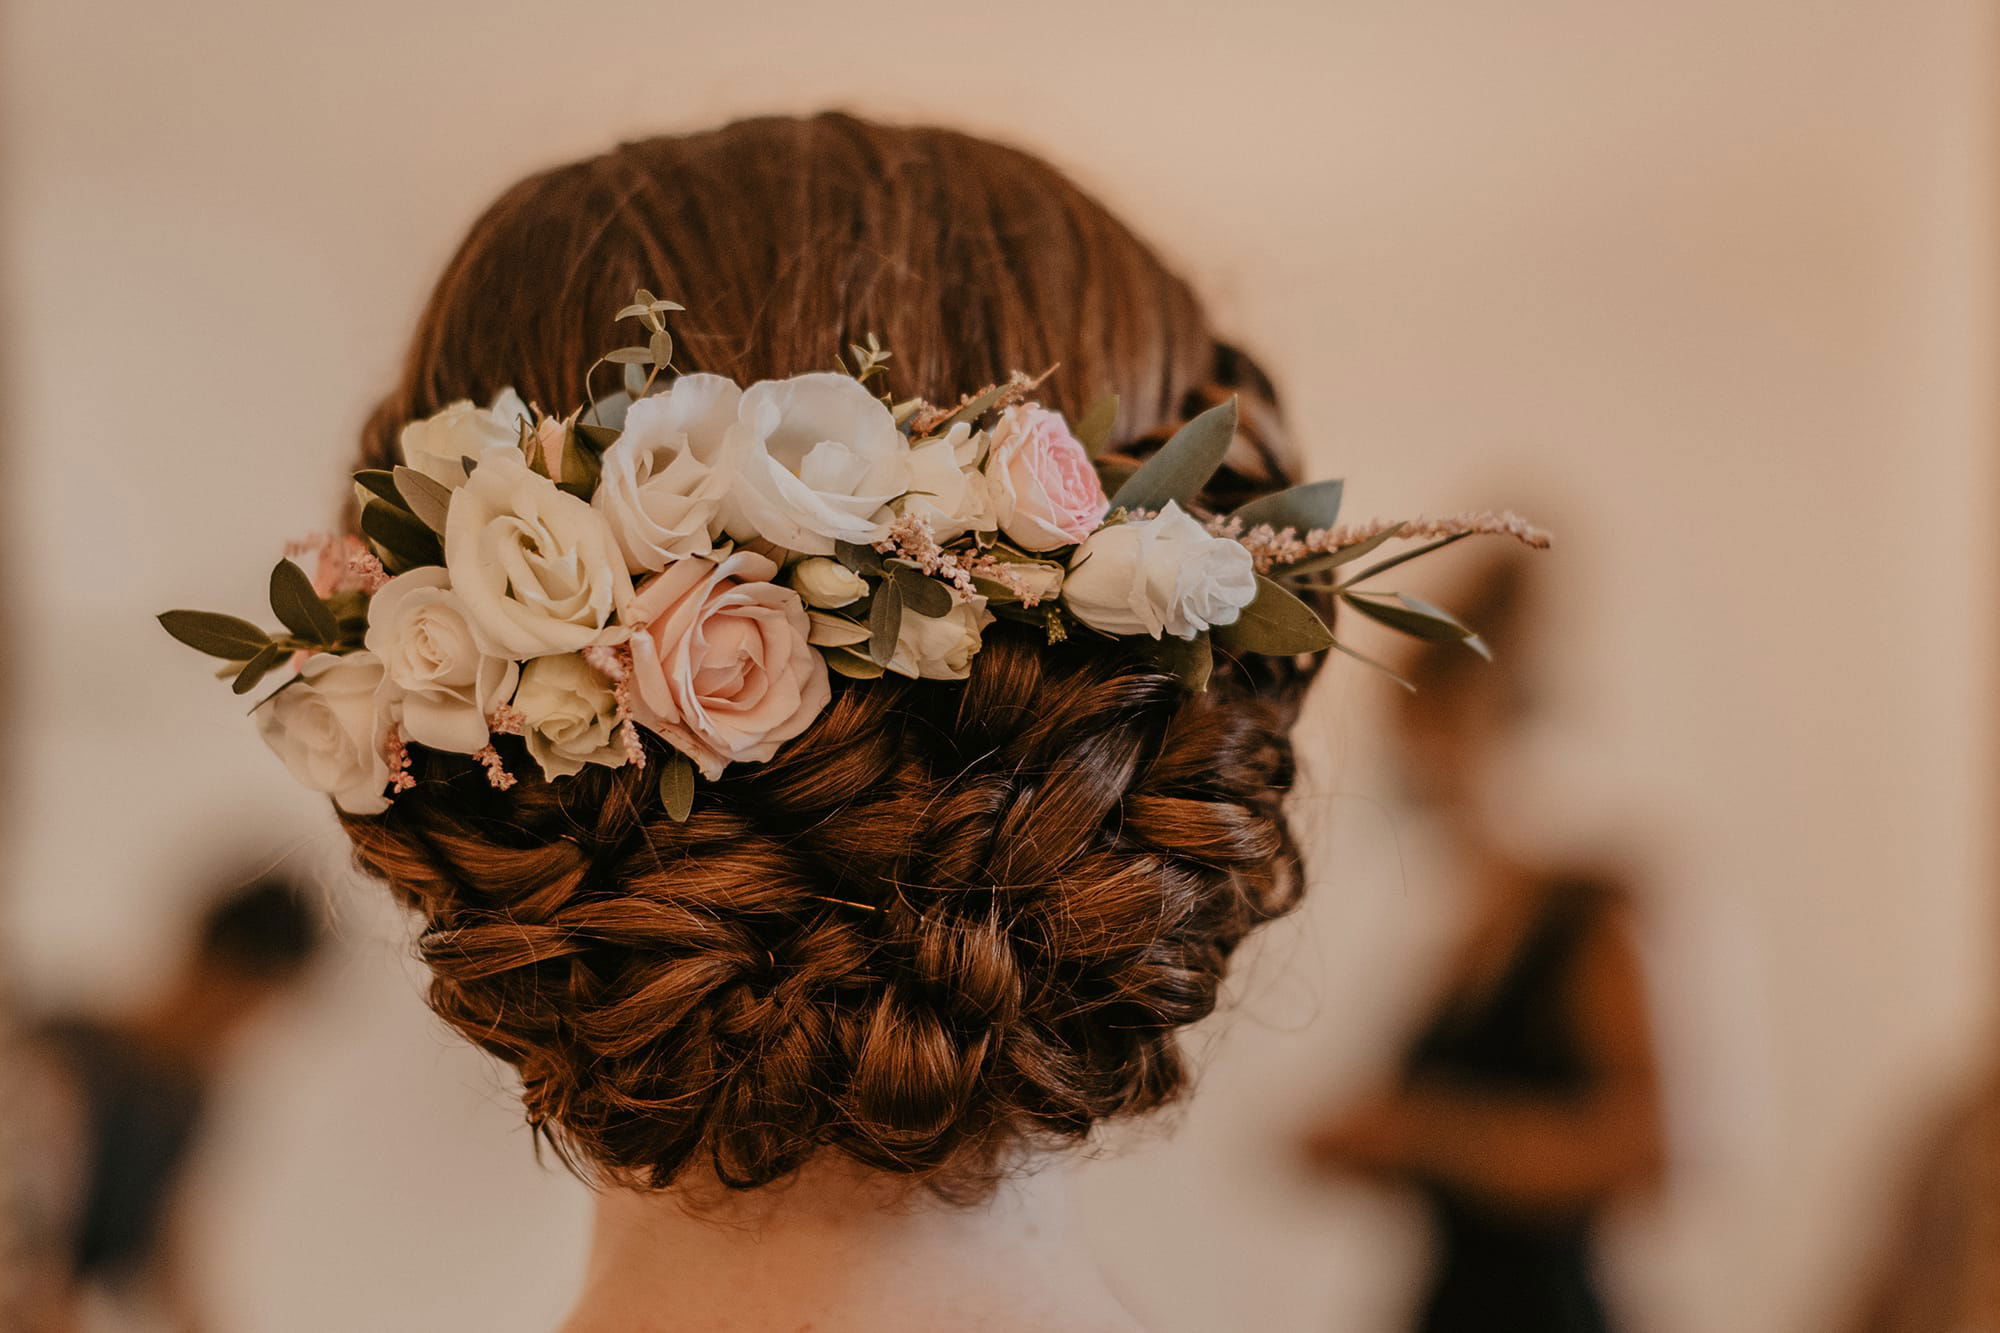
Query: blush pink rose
[1045,491]
[720,664]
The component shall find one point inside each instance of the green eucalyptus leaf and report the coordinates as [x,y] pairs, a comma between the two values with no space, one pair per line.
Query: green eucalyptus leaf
[1276,624]
[921,593]
[660,307]
[257,668]
[380,483]
[429,500]
[1184,463]
[978,407]
[1093,432]
[1193,660]
[300,608]
[1418,619]
[1112,476]
[1313,505]
[885,622]
[630,356]
[403,542]
[677,786]
[1403,557]
[661,347]
[860,559]
[213,633]
[852,664]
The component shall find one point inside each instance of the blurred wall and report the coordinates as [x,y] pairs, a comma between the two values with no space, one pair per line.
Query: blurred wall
[1707,284]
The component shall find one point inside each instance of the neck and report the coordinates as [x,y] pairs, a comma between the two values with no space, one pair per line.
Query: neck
[842,1248]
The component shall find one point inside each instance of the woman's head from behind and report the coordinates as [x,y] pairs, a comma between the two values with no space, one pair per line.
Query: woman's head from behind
[950,919]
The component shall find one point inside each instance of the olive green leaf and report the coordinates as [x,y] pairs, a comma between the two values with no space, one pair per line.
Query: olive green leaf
[217,635]
[921,593]
[860,559]
[429,500]
[661,346]
[630,356]
[677,786]
[1093,432]
[581,466]
[831,631]
[1313,505]
[1193,660]
[300,608]
[380,483]
[1418,619]
[402,541]
[885,622]
[1184,463]
[1276,623]
[852,664]
[976,407]
[256,668]
[1403,556]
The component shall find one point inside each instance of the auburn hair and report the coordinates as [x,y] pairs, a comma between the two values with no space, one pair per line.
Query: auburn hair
[951,918]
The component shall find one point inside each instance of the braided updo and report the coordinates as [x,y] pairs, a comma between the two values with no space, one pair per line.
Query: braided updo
[951,918]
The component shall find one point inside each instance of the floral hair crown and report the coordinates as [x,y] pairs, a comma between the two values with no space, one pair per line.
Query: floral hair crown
[667,575]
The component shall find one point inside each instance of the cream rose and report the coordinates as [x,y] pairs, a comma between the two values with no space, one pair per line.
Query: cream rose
[827,584]
[536,568]
[1045,491]
[660,491]
[811,460]
[329,729]
[947,487]
[1159,575]
[720,664]
[419,630]
[569,714]
[942,647]
[437,445]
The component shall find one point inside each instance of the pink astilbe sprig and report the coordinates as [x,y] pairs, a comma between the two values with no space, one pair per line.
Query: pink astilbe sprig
[615,665]
[912,538]
[396,752]
[340,563]
[496,767]
[1273,548]
[1007,573]
[507,720]
[1017,388]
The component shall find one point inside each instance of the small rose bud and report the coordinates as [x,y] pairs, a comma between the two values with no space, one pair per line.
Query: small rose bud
[827,584]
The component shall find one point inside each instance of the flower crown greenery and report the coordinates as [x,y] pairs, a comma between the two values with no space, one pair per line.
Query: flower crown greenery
[667,575]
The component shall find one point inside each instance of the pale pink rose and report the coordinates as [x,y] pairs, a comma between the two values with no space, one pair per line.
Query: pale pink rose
[1045,493]
[721,668]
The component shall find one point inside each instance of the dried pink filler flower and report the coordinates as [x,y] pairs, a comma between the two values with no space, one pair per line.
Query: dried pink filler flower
[496,768]
[507,720]
[396,752]
[1274,548]
[615,665]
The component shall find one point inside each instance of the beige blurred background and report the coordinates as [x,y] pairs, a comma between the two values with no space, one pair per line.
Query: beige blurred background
[1709,286]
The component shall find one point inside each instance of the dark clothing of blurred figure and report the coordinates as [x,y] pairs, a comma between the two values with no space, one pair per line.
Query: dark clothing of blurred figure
[1497,1271]
[140,1112]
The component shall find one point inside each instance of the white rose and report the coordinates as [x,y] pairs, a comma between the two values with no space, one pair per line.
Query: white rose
[418,628]
[947,487]
[811,460]
[827,584]
[570,716]
[329,729]
[941,648]
[1159,574]
[437,445]
[536,569]
[660,492]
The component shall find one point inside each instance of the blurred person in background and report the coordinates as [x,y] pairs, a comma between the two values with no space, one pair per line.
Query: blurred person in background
[1526,1101]
[136,1087]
